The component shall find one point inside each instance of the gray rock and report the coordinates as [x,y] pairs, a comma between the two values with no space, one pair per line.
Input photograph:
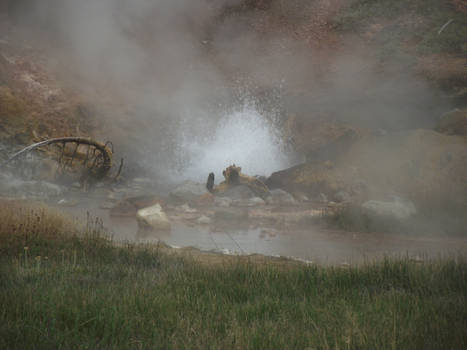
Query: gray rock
[188,191]
[280,197]
[153,217]
[398,208]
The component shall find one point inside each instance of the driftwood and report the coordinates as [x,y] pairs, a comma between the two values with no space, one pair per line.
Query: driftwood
[97,160]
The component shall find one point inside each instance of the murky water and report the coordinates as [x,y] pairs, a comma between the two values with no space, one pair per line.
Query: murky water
[311,243]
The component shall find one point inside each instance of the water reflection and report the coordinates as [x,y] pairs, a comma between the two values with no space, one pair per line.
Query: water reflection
[311,243]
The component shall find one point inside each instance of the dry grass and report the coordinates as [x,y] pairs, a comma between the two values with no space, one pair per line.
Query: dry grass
[92,294]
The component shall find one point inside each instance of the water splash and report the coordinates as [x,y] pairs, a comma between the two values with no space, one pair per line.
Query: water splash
[244,137]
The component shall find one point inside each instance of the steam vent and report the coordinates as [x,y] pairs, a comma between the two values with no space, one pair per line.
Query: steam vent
[233,174]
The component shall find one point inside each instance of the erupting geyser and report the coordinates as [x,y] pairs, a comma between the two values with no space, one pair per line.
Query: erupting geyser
[244,137]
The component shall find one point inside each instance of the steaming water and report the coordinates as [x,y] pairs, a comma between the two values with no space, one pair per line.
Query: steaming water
[244,137]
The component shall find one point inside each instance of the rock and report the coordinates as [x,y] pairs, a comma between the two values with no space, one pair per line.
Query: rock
[342,196]
[280,197]
[186,208]
[400,209]
[234,177]
[123,209]
[430,168]
[223,202]
[255,201]
[203,220]
[188,191]
[230,214]
[250,202]
[153,217]
[67,202]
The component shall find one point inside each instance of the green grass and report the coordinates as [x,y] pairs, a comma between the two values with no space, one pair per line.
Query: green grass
[91,294]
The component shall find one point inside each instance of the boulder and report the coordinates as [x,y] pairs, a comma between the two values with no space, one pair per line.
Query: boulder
[188,191]
[398,208]
[129,206]
[427,166]
[203,220]
[153,217]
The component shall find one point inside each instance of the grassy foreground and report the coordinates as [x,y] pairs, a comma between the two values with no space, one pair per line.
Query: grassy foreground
[70,288]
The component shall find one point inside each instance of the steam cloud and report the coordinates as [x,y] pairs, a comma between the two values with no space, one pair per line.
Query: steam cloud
[176,67]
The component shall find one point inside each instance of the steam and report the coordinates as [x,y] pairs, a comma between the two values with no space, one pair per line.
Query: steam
[244,137]
[170,68]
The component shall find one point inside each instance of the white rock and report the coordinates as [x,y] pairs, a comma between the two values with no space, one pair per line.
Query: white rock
[203,220]
[153,217]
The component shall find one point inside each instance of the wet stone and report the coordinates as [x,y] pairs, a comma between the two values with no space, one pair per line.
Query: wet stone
[153,217]
[203,220]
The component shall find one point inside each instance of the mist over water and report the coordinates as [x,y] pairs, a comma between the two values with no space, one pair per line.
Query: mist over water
[244,136]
